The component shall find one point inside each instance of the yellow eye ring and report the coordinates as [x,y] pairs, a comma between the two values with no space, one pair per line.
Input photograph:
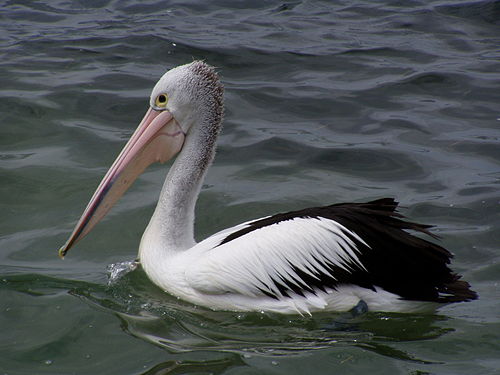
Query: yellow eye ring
[161,100]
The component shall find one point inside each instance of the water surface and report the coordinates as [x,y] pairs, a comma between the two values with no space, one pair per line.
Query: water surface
[325,102]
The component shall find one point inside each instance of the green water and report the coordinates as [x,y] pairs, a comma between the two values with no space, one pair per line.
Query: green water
[325,103]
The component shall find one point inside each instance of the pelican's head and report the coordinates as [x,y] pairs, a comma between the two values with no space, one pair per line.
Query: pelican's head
[188,92]
[186,98]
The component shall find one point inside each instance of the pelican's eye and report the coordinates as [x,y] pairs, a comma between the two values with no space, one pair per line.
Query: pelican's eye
[161,100]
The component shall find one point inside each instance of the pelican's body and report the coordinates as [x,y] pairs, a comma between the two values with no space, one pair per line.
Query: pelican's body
[299,263]
[318,259]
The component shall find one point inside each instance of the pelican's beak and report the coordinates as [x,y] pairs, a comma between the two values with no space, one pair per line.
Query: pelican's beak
[157,139]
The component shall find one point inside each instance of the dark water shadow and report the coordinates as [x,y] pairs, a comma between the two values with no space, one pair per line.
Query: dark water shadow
[217,366]
[149,314]
[146,312]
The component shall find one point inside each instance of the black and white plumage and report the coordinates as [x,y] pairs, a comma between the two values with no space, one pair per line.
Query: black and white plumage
[365,244]
[317,259]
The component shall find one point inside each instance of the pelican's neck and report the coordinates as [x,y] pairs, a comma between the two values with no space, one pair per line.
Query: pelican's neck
[171,228]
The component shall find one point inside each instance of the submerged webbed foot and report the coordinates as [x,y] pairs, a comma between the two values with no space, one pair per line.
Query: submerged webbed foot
[343,322]
[359,309]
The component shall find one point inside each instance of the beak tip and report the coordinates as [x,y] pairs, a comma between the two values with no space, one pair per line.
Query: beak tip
[62,252]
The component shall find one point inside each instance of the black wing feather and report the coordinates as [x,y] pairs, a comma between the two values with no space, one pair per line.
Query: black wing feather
[395,260]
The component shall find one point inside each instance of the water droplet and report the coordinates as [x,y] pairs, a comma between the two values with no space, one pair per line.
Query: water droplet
[117,270]
[48,362]
[175,45]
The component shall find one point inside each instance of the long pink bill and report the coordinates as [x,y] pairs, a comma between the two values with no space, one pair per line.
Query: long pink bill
[157,139]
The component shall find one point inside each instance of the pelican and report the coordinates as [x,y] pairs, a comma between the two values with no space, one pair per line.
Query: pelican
[329,258]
